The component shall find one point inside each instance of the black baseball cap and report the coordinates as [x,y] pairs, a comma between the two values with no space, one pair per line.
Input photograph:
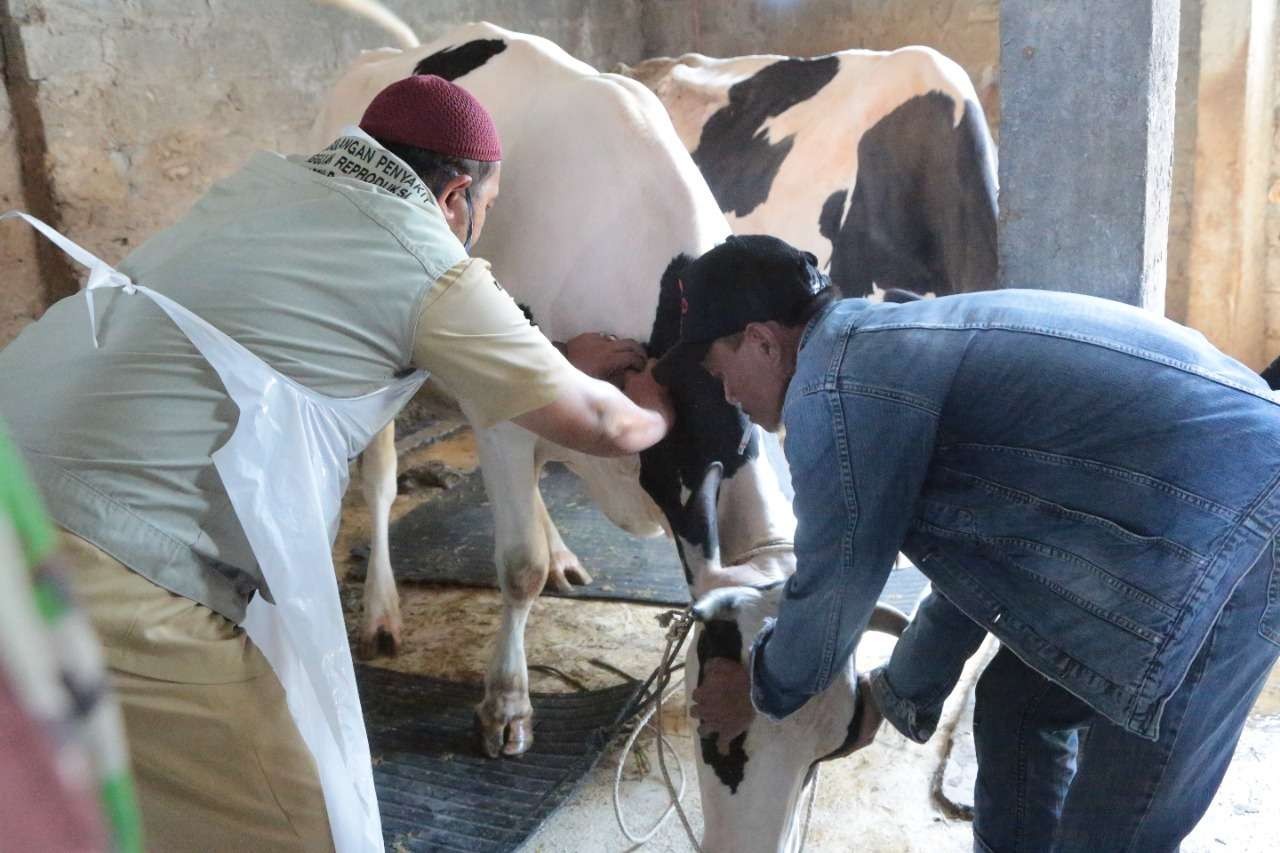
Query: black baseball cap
[751,278]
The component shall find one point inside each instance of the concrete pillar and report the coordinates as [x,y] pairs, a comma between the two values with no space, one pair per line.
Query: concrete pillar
[1227,253]
[1086,145]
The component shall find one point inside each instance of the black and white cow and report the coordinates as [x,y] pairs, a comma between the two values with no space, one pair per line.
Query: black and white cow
[600,208]
[880,163]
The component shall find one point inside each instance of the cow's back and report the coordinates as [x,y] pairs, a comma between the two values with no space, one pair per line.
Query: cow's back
[598,194]
[880,163]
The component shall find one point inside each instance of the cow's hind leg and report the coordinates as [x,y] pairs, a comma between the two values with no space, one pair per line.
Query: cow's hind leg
[380,620]
[505,716]
[565,570]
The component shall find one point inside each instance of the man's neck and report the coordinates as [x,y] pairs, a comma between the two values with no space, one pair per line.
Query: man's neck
[789,339]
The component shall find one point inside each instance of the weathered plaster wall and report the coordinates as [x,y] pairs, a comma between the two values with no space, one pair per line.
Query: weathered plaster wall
[1272,285]
[20,296]
[1233,164]
[144,103]
[965,30]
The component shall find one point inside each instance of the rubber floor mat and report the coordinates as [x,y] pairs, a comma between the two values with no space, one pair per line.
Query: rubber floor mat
[449,540]
[437,792]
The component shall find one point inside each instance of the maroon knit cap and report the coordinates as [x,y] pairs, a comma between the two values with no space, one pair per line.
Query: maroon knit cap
[429,112]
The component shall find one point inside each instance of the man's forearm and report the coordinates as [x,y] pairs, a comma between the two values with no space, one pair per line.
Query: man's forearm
[598,419]
[630,428]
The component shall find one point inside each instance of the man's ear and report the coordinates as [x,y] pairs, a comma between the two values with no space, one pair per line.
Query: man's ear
[452,198]
[764,337]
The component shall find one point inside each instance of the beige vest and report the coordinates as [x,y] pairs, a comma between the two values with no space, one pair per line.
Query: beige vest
[319,276]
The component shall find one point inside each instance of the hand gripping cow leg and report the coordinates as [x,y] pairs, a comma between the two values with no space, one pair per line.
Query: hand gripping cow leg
[380,620]
[505,716]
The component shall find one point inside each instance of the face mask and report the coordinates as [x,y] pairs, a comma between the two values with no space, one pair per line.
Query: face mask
[471,216]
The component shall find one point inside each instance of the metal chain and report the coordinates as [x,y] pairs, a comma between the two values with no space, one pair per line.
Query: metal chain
[678,624]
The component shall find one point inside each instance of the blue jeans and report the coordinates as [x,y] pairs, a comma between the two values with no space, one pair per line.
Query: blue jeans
[1053,775]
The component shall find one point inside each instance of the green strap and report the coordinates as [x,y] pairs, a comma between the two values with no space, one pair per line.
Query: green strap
[120,806]
[19,498]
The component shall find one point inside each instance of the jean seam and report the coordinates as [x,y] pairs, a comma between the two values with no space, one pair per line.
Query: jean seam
[1269,624]
[1159,778]
[1114,471]
[1103,343]
[849,493]
[1048,507]
[1020,807]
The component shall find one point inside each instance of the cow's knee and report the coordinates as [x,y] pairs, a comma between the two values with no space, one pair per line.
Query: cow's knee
[524,573]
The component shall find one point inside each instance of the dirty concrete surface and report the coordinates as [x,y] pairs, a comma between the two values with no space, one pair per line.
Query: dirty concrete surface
[885,799]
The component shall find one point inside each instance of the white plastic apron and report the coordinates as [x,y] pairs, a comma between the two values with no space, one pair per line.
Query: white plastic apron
[285,469]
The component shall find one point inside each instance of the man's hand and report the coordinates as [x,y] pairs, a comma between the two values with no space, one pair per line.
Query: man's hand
[591,416]
[605,357]
[722,702]
[648,393]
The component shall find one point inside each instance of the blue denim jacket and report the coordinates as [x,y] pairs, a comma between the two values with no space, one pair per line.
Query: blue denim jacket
[1085,480]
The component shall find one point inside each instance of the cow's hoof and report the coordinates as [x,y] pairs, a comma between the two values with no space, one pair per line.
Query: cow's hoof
[566,572]
[380,639]
[513,736]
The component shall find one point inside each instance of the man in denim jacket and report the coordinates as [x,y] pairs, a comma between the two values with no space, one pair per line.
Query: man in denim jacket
[1096,486]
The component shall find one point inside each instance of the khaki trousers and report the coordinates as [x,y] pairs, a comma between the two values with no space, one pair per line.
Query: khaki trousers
[217,760]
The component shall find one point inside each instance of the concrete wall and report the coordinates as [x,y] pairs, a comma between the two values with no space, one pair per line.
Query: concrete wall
[1272,281]
[144,103]
[1226,261]
[20,293]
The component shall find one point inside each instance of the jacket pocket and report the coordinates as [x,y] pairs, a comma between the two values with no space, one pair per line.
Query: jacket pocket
[1269,628]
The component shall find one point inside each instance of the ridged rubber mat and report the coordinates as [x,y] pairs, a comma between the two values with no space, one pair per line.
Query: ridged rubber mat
[449,540]
[437,792]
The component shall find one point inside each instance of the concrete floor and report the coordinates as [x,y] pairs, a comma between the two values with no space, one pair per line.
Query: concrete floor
[880,800]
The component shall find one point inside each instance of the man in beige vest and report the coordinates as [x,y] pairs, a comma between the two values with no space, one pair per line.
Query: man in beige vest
[341,270]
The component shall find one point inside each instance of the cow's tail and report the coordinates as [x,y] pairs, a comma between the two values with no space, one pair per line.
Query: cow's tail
[1272,375]
[888,620]
[374,11]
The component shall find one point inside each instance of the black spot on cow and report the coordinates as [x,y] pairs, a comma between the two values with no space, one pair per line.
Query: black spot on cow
[699,522]
[901,297]
[707,429]
[734,153]
[454,62]
[923,213]
[722,639]
[1272,375]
